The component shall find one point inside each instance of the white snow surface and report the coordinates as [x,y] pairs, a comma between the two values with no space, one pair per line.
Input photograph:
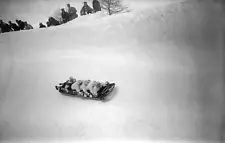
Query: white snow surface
[166,59]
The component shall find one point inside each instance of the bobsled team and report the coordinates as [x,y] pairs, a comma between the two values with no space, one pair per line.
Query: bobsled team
[66,16]
[83,87]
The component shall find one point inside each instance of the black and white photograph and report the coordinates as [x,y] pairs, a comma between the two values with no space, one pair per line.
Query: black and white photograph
[98,71]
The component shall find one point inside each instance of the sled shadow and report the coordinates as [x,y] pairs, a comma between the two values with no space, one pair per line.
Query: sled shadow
[112,94]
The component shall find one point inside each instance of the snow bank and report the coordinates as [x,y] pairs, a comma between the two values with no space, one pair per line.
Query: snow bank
[166,62]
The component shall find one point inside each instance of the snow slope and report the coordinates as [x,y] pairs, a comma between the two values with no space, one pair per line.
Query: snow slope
[166,60]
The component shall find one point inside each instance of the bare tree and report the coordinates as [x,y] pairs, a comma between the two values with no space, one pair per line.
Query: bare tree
[113,6]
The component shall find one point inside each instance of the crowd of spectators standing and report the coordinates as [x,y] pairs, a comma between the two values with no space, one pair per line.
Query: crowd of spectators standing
[66,16]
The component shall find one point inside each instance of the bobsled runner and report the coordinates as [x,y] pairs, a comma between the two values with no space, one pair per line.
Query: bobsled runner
[102,94]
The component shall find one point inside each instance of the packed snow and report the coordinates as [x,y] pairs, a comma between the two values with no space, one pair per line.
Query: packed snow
[166,59]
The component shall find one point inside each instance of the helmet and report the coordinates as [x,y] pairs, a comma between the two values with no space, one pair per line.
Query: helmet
[79,81]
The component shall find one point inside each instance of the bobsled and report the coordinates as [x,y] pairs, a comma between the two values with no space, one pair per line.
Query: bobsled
[103,93]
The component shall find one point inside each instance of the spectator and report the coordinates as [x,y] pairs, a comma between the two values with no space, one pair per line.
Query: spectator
[41,25]
[65,16]
[21,24]
[52,22]
[27,26]
[4,27]
[86,9]
[96,5]
[72,12]
[14,26]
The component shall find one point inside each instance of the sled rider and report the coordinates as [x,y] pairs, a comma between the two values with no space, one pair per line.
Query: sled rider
[68,83]
[88,87]
[83,87]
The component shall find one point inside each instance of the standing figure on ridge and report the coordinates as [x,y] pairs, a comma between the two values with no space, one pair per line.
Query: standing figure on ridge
[86,9]
[72,11]
[65,16]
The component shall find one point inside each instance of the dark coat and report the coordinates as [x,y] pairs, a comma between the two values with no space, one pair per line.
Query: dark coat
[52,22]
[14,27]
[72,10]
[5,27]
[86,10]
[72,13]
[21,24]
[96,5]
[48,24]
[42,26]
[65,16]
